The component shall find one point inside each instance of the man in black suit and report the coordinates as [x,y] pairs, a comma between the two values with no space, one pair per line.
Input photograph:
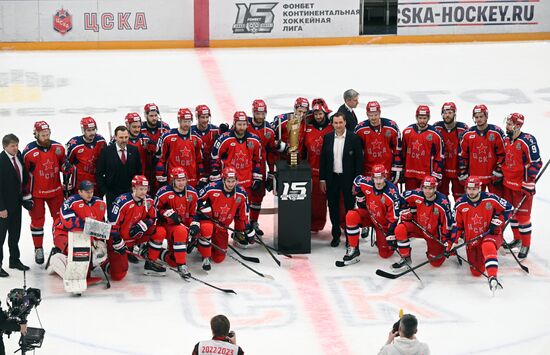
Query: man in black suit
[13,179]
[351,100]
[341,162]
[118,163]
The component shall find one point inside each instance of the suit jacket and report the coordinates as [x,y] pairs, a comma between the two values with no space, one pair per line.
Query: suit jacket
[112,176]
[351,119]
[352,156]
[11,190]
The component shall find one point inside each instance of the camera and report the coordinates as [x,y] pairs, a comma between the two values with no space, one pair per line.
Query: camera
[20,303]
[395,328]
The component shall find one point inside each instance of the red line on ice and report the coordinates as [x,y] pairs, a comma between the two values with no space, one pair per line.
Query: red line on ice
[318,308]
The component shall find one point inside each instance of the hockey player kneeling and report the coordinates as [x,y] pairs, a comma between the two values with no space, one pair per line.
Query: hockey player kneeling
[133,219]
[224,202]
[481,213]
[79,239]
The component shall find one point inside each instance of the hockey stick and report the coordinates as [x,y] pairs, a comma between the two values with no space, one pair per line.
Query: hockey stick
[110,131]
[423,229]
[237,260]
[278,251]
[158,263]
[379,226]
[268,250]
[106,278]
[442,255]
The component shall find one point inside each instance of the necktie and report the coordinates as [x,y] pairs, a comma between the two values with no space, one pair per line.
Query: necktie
[17,169]
[122,156]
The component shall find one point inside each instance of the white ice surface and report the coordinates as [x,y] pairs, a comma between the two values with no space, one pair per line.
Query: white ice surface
[311,304]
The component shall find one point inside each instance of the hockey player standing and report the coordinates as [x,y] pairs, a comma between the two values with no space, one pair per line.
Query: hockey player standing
[145,146]
[44,159]
[521,166]
[422,150]
[208,133]
[154,128]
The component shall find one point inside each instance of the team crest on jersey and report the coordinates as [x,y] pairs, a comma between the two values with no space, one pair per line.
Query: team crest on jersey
[232,144]
[436,212]
[171,197]
[491,137]
[58,151]
[238,200]
[80,150]
[367,132]
[101,207]
[189,198]
[429,137]
[80,205]
[216,195]
[173,139]
[147,205]
[383,199]
[250,145]
[35,154]
[388,134]
[268,135]
[488,206]
[518,146]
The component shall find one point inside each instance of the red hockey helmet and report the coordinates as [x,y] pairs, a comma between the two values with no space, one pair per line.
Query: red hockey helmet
[240,116]
[379,170]
[480,109]
[448,106]
[516,118]
[301,102]
[132,117]
[229,172]
[429,181]
[259,105]
[151,107]
[177,173]
[140,180]
[322,103]
[373,106]
[185,114]
[202,110]
[87,122]
[473,181]
[422,110]
[40,126]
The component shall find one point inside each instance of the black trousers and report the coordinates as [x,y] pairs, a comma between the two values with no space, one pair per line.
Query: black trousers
[12,227]
[338,187]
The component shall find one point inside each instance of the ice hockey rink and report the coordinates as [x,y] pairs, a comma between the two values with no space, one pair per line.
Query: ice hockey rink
[311,307]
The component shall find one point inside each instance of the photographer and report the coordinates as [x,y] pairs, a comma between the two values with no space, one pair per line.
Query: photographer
[223,341]
[9,326]
[402,339]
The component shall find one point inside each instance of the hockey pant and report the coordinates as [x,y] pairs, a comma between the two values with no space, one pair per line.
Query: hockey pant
[484,255]
[218,235]
[358,218]
[319,206]
[406,230]
[119,263]
[176,236]
[38,215]
[495,189]
[521,223]
[457,187]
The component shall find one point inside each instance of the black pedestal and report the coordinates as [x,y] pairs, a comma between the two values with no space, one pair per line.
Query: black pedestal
[293,219]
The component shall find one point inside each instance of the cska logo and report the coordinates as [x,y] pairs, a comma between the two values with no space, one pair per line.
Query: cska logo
[62,21]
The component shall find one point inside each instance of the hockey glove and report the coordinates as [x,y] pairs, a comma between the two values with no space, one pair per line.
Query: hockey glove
[406,215]
[256,182]
[392,242]
[494,227]
[438,176]
[223,128]
[28,202]
[215,176]
[119,245]
[250,234]
[497,177]
[462,177]
[395,175]
[138,229]
[361,201]
[194,229]
[528,188]
[171,215]
[269,181]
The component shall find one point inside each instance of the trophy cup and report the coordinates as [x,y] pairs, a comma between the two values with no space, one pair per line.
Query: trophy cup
[293,128]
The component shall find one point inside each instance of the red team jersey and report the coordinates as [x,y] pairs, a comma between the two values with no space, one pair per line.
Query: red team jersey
[522,161]
[435,216]
[154,133]
[208,137]
[126,213]
[226,206]
[178,150]
[422,152]
[482,152]
[313,142]
[473,218]
[268,144]
[451,142]
[381,145]
[83,156]
[183,203]
[243,154]
[44,166]
[75,210]
[146,148]
[383,204]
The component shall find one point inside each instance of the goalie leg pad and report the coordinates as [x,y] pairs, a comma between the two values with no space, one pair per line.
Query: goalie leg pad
[58,264]
[78,261]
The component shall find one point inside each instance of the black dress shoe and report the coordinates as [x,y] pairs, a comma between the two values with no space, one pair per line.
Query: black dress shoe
[3,273]
[335,241]
[19,266]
